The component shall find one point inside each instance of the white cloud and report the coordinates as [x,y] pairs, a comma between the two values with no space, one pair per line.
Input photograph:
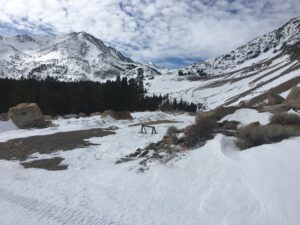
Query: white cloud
[148,30]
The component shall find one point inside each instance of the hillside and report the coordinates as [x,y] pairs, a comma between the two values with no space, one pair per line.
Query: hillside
[271,61]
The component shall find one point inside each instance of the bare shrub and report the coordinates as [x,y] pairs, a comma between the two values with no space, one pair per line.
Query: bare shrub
[250,136]
[172,130]
[201,131]
[285,119]
[221,112]
[230,125]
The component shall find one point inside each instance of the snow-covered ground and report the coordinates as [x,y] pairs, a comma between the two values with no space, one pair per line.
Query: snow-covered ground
[215,184]
[247,116]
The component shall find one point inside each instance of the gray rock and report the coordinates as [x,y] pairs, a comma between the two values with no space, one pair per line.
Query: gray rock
[27,115]
[274,99]
[71,116]
[82,114]
[95,114]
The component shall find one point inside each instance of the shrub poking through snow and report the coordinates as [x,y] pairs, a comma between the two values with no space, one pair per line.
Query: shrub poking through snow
[230,125]
[285,119]
[254,135]
[201,131]
[172,130]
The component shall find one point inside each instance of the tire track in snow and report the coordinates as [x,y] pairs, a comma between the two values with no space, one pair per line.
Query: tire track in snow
[51,212]
[146,204]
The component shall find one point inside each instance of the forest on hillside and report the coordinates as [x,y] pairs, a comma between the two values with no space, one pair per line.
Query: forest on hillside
[59,98]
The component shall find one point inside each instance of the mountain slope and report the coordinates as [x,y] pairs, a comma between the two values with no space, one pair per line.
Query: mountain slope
[270,62]
[70,57]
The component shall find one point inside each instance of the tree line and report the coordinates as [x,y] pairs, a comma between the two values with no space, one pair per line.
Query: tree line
[59,98]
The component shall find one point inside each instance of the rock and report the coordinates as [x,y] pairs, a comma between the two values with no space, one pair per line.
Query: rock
[71,116]
[95,114]
[82,114]
[27,115]
[117,115]
[276,108]
[218,113]
[111,128]
[3,117]
[274,99]
[48,118]
[293,99]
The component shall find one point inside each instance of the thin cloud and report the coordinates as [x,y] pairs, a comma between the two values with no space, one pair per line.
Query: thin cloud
[153,30]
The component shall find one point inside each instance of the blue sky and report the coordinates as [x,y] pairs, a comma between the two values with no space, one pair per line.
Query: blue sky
[169,33]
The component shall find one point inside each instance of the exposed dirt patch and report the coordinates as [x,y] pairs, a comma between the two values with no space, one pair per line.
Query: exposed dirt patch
[21,148]
[47,164]
[154,122]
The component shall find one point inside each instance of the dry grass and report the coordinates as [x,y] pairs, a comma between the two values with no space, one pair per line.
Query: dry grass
[251,136]
[201,131]
[172,130]
[230,125]
[285,119]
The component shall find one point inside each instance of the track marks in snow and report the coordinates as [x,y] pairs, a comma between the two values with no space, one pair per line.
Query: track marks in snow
[52,213]
[129,205]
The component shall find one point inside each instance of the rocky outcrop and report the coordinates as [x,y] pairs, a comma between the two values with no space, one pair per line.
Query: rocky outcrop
[27,115]
[293,99]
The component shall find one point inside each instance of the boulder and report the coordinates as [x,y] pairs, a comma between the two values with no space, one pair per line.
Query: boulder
[3,117]
[276,108]
[95,114]
[218,113]
[71,116]
[82,114]
[117,115]
[27,115]
[274,99]
[293,99]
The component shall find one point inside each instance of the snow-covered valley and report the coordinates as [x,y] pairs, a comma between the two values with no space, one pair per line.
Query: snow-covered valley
[96,169]
[213,184]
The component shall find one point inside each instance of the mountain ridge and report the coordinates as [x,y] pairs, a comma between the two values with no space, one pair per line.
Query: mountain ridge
[269,63]
[286,35]
[70,57]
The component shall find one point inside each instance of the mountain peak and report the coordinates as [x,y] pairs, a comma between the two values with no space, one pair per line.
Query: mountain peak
[67,57]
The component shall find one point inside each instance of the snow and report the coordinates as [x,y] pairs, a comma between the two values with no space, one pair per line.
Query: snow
[285,93]
[217,91]
[214,184]
[247,116]
[7,126]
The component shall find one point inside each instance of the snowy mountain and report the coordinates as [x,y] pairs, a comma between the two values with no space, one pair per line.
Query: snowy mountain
[69,57]
[270,62]
[257,50]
